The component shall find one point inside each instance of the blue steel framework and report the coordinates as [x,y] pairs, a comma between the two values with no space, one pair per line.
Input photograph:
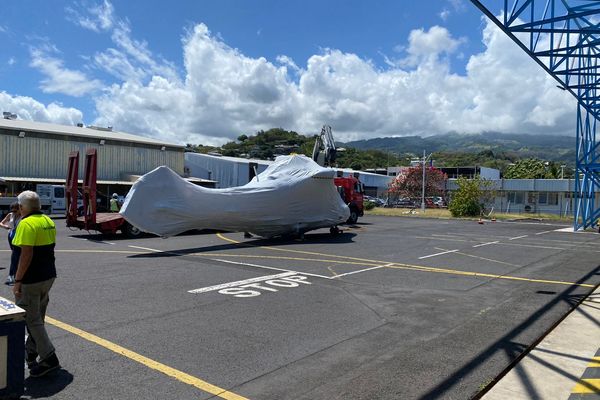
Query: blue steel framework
[563,37]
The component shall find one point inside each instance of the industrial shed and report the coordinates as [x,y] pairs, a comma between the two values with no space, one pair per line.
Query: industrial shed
[227,171]
[34,152]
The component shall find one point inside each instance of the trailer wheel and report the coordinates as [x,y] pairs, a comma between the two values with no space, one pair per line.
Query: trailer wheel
[353,217]
[131,231]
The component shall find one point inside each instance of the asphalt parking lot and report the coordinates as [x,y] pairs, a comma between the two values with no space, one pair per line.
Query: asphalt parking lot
[393,308]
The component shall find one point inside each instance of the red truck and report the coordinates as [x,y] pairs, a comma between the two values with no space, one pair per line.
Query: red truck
[351,190]
[105,223]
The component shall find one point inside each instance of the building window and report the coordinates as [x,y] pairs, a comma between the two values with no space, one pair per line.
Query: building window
[552,199]
[543,198]
[516,197]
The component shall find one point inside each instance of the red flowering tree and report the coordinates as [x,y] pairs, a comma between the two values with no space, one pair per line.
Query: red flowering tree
[409,183]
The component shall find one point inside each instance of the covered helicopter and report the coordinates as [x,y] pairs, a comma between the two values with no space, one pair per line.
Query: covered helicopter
[292,196]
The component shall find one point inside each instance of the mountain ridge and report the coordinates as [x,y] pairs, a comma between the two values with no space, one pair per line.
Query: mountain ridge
[545,147]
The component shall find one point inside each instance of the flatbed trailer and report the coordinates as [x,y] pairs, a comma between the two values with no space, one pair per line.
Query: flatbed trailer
[105,223]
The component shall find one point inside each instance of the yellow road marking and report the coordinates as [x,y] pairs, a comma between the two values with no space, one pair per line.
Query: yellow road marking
[587,386]
[300,251]
[413,267]
[283,258]
[165,369]
[477,274]
[330,268]
[571,248]
[487,259]
[595,363]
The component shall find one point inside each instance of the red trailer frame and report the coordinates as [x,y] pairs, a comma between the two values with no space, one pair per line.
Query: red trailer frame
[106,223]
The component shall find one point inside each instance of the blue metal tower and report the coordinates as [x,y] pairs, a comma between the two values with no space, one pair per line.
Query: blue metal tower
[563,37]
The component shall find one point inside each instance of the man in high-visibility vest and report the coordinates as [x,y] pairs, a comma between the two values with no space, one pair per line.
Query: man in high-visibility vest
[114,203]
[36,236]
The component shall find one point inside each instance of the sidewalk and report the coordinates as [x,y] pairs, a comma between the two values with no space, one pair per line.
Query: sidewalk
[564,365]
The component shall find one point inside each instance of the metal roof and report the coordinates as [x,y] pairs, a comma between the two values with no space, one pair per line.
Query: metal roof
[229,158]
[96,133]
[7,179]
[191,179]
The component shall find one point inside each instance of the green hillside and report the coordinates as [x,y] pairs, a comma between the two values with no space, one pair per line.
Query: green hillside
[490,149]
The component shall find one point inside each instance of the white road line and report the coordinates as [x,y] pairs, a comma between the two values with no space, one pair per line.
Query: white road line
[271,268]
[518,237]
[149,249]
[240,283]
[544,247]
[237,263]
[439,254]
[362,270]
[292,272]
[485,244]
[541,233]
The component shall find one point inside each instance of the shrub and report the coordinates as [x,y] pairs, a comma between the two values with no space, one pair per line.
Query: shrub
[368,205]
[469,198]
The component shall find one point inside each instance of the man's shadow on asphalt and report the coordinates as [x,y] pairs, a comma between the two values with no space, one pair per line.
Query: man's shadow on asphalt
[48,385]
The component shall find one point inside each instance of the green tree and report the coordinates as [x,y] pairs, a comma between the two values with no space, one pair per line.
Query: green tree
[471,197]
[531,168]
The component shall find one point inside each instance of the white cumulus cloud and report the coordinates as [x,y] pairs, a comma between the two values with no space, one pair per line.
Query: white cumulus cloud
[29,109]
[219,92]
[60,79]
[226,93]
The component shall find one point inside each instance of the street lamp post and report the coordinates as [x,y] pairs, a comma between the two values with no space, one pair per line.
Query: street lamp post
[423,186]
[423,182]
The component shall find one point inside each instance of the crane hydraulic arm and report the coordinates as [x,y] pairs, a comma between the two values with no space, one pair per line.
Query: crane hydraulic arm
[324,151]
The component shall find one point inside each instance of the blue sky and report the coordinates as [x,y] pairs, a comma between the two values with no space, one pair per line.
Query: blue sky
[207,71]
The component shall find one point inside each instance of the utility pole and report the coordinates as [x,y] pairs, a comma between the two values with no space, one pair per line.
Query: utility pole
[423,186]
[425,158]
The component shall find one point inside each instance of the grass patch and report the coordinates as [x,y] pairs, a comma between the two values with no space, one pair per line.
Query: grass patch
[444,213]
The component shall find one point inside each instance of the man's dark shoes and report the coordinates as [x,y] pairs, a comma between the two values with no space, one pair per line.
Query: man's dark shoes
[43,367]
[31,360]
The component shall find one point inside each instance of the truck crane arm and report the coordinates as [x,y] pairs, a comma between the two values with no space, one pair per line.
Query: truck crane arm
[324,151]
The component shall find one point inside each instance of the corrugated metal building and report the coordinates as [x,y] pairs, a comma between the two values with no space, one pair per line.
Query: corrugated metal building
[532,196]
[33,150]
[227,171]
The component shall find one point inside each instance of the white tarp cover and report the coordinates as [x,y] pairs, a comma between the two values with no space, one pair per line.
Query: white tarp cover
[293,195]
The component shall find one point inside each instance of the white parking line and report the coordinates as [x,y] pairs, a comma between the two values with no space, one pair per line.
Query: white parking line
[518,237]
[439,254]
[147,248]
[236,262]
[485,244]
[362,270]
[240,283]
[271,268]
[542,233]
[289,271]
